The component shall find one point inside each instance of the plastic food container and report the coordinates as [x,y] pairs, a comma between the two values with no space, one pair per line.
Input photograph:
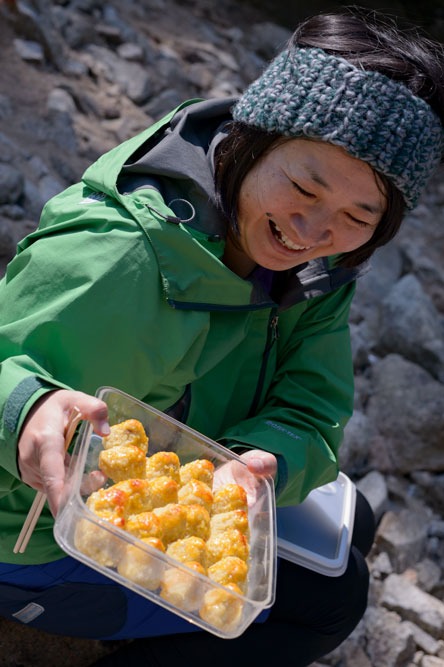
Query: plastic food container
[219,609]
[317,533]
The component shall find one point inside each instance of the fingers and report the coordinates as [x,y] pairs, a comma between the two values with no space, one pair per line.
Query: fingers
[260,462]
[41,447]
[92,409]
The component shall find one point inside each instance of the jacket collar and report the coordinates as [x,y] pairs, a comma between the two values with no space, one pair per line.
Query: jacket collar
[170,163]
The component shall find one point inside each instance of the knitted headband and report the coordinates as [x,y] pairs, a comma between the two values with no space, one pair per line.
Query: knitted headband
[307,92]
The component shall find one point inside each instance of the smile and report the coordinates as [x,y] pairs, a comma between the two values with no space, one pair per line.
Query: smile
[283,239]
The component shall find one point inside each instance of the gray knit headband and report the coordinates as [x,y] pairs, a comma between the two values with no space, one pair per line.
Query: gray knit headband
[307,92]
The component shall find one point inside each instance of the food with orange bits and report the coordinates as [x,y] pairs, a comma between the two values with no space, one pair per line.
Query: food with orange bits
[171,512]
[127,433]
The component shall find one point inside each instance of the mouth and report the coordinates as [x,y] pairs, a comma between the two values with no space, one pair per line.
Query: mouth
[283,238]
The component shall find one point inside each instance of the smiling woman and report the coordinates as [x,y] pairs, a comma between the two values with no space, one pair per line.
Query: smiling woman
[213,261]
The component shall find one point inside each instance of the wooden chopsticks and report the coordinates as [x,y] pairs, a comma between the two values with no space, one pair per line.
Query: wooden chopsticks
[40,497]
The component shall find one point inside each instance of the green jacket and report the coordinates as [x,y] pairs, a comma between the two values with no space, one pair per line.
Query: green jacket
[114,289]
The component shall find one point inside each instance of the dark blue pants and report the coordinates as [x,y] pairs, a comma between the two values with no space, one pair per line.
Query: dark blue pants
[311,616]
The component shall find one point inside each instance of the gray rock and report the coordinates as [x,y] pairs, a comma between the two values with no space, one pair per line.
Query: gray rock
[410,325]
[354,451]
[130,51]
[423,640]
[374,488]
[432,661]
[268,38]
[403,536]
[407,406]
[30,51]
[60,100]
[11,184]
[390,643]
[413,604]
[428,573]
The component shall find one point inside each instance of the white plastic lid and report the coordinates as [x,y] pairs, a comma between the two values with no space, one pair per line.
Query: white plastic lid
[317,533]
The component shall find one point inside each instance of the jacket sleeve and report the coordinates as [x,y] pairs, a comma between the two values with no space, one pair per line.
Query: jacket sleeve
[65,313]
[310,399]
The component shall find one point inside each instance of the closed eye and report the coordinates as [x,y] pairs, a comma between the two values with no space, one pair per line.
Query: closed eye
[302,191]
[360,223]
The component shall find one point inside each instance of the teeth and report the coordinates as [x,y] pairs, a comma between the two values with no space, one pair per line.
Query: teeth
[283,238]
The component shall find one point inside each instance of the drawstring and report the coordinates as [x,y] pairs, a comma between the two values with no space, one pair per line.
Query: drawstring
[172,218]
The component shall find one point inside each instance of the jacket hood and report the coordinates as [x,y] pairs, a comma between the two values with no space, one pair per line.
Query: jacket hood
[176,158]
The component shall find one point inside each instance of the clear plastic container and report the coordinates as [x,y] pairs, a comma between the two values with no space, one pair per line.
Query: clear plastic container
[317,533]
[147,571]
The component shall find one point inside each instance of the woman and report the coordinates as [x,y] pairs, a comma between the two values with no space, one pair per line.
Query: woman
[207,267]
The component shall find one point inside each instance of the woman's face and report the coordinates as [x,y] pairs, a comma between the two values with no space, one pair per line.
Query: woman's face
[302,200]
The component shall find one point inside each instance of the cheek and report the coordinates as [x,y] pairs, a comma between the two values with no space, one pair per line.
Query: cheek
[355,239]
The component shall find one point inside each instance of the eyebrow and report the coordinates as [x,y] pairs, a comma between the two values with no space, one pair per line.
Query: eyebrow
[376,210]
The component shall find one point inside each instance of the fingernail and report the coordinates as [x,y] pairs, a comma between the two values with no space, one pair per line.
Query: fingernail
[104,428]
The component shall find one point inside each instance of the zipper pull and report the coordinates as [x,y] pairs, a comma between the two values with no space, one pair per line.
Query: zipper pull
[274,322]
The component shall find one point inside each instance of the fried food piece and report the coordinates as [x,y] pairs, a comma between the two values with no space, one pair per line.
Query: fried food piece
[129,432]
[182,589]
[228,520]
[229,570]
[197,521]
[229,497]
[163,491]
[143,525]
[196,492]
[163,464]
[229,543]
[173,522]
[99,544]
[132,496]
[179,521]
[122,462]
[221,608]
[141,567]
[189,549]
[143,495]
[200,469]
[110,504]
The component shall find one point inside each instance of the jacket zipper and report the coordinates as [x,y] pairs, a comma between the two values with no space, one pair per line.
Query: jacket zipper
[272,336]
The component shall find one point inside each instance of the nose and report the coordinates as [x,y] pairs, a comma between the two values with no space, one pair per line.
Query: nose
[313,227]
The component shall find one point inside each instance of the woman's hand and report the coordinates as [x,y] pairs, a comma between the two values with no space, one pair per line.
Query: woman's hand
[258,464]
[41,446]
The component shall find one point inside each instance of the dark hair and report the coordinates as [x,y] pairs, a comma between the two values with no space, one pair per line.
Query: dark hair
[369,40]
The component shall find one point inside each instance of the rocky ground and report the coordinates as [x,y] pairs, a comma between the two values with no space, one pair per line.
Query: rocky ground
[79,76]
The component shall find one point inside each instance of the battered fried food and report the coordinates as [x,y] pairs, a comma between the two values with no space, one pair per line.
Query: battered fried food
[189,549]
[163,464]
[182,589]
[129,432]
[143,525]
[228,520]
[141,567]
[123,462]
[196,492]
[173,509]
[173,521]
[99,544]
[200,469]
[229,570]
[221,608]
[197,521]
[229,497]
[228,543]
